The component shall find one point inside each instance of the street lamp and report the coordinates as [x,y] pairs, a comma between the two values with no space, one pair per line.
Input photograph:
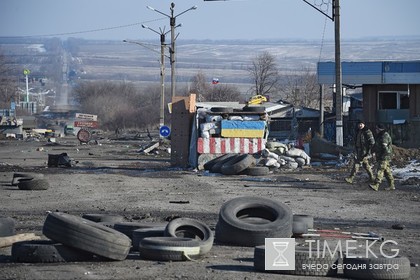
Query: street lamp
[162,35]
[172,22]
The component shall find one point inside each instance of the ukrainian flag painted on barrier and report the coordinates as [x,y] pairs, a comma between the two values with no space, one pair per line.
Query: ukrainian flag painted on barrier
[245,129]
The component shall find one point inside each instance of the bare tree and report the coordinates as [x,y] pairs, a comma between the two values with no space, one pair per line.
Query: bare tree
[301,89]
[215,92]
[264,74]
[199,86]
[118,105]
[223,92]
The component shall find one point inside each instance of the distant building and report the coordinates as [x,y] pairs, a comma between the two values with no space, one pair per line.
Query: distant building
[390,94]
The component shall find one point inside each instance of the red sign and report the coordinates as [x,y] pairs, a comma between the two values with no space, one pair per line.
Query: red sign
[90,124]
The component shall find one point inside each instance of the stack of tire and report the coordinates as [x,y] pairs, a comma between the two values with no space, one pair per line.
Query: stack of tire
[30,181]
[106,237]
[234,164]
[178,240]
[247,221]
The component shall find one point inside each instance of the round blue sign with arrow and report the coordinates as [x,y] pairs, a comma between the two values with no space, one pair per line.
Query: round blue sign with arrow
[164,131]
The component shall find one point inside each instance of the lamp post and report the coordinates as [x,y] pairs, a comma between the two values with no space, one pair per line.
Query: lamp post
[162,70]
[172,22]
[162,35]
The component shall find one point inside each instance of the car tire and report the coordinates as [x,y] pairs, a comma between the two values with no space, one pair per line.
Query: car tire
[33,185]
[169,248]
[128,228]
[17,177]
[191,228]
[257,171]
[103,218]
[237,164]
[209,165]
[216,168]
[227,110]
[47,251]
[240,221]
[141,233]
[83,234]
[254,109]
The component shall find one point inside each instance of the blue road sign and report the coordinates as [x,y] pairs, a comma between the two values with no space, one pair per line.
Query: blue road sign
[164,131]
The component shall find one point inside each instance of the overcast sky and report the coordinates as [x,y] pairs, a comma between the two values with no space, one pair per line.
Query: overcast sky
[215,20]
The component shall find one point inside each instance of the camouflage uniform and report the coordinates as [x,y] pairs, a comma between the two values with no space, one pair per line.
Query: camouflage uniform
[363,143]
[383,151]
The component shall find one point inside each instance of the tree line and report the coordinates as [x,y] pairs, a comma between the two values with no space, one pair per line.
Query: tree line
[125,105]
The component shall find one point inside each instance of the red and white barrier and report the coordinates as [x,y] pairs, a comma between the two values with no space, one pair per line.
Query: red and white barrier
[230,145]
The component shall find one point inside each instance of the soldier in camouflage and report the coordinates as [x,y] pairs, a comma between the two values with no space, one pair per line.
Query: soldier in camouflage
[363,143]
[383,152]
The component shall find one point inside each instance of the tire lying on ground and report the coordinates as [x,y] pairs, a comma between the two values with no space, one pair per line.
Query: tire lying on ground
[128,228]
[17,177]
[86,235]
[7,226]
[141,233]
[47,251]
[208,165]
[377,268]
[257,171]
[247,221]
[221,109]
[216,168]
[103,218]
[237,164]
[169,248]
[254,109]
[33,185]
[306,263]
[191,228]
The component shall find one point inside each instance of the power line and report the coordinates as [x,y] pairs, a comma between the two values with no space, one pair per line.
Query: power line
[85,31]
[323,33]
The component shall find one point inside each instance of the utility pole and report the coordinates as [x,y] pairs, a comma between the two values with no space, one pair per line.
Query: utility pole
[172,22]
[162,69]
[162,35]
[162,80]
[321,110]
[338,73]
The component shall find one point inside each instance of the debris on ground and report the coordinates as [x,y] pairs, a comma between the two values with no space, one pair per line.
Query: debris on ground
[403,156]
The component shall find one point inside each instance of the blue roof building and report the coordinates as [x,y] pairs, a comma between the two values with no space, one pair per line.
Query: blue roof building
[391,91]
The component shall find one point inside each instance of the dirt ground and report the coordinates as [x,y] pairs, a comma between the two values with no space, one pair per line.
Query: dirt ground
[112,176]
